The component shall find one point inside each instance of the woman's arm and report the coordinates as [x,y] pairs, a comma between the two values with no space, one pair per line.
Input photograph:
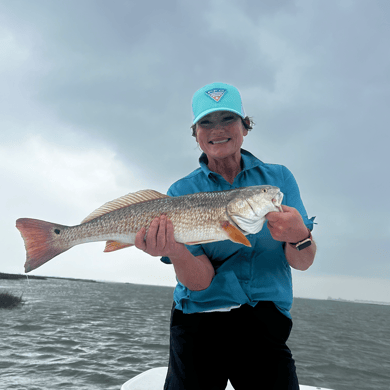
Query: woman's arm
[300,260]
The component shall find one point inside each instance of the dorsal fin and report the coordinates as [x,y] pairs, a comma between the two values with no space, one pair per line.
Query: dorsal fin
[124,201]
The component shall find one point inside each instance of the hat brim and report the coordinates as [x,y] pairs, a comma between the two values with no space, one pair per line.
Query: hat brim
[204,113]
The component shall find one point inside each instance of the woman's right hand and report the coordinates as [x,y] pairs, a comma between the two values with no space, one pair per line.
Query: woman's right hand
[196,273]
[160,240]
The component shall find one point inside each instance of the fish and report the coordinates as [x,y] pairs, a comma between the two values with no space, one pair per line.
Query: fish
[197,218]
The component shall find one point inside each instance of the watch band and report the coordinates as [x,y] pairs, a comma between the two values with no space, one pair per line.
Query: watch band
[304,243]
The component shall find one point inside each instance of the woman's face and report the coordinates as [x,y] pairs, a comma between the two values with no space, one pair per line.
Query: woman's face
[220,134]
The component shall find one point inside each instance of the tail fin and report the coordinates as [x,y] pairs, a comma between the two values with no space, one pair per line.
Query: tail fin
[42,241]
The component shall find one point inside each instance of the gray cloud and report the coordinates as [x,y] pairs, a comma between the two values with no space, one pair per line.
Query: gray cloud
[313,75]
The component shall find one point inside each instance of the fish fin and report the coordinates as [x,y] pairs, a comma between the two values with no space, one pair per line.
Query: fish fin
[41,241]
[234,233]
[200,242]
[112,246]
[124,201]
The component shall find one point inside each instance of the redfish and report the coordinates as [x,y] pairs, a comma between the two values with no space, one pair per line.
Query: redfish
[197,218]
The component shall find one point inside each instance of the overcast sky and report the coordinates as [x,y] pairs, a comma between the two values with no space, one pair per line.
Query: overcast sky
[95,102]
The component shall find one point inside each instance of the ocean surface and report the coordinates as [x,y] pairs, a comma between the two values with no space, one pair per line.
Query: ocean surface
[90,336]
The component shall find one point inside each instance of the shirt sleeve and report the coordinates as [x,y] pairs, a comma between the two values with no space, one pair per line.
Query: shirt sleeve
[292,197]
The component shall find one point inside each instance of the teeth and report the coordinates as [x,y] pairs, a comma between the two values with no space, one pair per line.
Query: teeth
[220,142]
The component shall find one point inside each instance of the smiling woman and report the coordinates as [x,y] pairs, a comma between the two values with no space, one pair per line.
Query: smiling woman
[243,293]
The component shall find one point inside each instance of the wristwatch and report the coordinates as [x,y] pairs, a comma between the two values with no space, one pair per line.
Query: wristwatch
[304,243]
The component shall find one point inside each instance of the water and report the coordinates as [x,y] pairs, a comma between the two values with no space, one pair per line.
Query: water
[84,335]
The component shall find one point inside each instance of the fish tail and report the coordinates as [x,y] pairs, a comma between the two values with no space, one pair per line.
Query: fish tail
[42,241]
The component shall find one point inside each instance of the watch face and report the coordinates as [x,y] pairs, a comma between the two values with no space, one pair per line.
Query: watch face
[304,245]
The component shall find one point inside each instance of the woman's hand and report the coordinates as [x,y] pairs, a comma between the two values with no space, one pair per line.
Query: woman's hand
[287,226]
[196,273]
[160,240]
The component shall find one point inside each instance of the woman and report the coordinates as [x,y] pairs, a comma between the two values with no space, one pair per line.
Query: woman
[230,318]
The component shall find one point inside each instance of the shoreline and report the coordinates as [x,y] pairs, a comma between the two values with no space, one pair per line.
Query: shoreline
[7,276]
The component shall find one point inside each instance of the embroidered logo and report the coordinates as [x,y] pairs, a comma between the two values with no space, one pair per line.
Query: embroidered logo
[216,93]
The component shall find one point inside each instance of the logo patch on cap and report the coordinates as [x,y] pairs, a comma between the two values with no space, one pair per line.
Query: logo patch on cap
[216,93]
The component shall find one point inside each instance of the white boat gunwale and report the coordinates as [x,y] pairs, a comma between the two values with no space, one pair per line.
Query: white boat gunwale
[154,378]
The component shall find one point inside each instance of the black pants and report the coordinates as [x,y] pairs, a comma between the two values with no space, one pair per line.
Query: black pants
[246,345]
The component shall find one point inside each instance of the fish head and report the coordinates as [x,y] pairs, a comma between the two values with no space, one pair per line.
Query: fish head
[264,199]
[249,207]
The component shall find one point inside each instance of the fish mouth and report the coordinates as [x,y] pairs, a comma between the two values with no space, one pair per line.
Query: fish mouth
[223,141]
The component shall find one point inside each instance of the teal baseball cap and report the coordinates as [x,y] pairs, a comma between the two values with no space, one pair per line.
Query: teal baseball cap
[216,97]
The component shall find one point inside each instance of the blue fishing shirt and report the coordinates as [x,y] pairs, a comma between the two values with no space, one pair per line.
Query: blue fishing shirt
[242,274]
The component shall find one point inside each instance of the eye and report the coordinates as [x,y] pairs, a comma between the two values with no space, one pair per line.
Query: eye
[264,190]
[228,118]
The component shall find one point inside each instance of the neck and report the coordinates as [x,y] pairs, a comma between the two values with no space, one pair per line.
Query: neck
[228,168]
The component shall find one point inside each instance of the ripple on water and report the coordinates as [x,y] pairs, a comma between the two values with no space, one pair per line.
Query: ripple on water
[77,335]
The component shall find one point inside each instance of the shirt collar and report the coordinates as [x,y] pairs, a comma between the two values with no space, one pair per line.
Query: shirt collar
[249,161]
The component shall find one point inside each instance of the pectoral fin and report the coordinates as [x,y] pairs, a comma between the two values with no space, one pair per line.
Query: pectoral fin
[112,246]
[234,234]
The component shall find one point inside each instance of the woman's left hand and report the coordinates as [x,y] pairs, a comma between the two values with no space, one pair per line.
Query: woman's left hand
[287,226]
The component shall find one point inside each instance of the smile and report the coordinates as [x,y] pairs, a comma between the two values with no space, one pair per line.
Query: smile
[220,142]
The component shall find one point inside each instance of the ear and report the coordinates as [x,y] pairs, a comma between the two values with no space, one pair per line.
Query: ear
[244,129]
[247,122]
[196,133]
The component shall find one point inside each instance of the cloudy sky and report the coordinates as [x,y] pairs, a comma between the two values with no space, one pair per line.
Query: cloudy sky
[95,102]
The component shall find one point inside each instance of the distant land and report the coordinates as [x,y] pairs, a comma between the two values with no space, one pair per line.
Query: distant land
[15,276]
[358,301]
[24,276]
[21,276]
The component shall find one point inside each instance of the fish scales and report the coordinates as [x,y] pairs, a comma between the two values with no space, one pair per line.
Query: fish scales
[194,217]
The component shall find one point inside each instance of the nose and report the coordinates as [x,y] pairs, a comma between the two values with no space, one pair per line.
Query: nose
[219,126]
